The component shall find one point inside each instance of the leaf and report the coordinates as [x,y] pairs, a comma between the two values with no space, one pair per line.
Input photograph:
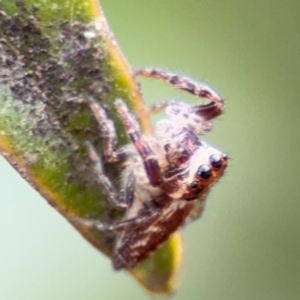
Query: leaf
[54,55]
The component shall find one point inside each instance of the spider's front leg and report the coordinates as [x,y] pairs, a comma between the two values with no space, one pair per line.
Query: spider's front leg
[121,200]
[107,186]
[208,111]
[148,157]
[108,134]
[127,194]
[115,199]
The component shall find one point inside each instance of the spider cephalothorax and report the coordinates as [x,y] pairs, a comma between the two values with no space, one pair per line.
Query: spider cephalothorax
[166,177]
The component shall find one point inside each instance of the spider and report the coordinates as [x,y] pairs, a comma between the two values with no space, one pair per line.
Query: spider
[166,176]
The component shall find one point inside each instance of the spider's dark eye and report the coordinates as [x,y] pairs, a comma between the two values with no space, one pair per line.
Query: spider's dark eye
[216,161]
[204,171]
[194,185]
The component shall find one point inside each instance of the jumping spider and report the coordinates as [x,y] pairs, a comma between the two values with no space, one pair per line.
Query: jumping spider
[166,177]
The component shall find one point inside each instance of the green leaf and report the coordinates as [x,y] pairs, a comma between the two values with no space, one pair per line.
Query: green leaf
[54,55]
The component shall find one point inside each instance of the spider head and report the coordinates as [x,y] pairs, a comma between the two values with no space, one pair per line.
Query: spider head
[207,165]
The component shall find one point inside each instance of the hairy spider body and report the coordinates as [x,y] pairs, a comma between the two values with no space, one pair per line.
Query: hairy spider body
[166,177]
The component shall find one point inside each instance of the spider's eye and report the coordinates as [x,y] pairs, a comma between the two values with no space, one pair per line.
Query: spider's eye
[204,171]
[194,185]
[216,161]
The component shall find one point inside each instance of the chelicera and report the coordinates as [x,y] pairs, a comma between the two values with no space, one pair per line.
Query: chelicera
[166,177]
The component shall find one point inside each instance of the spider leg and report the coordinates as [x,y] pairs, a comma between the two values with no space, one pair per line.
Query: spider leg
[143,148]
[186,116]
[103,180]
[155,108]
[91,223]
[208,111]
[121,225]
[128,184]
[108,134]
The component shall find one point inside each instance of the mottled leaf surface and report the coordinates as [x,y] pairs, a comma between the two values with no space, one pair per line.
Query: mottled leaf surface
[54,56]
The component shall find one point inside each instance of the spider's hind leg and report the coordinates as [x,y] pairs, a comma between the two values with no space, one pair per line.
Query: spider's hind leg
[208,111]
[119,226]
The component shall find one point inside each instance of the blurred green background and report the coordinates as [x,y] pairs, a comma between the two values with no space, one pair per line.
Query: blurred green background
[247,244]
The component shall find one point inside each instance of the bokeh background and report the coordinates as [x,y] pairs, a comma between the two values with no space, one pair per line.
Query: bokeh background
[247,244]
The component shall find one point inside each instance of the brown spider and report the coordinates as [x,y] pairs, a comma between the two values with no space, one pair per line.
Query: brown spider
[166,177]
